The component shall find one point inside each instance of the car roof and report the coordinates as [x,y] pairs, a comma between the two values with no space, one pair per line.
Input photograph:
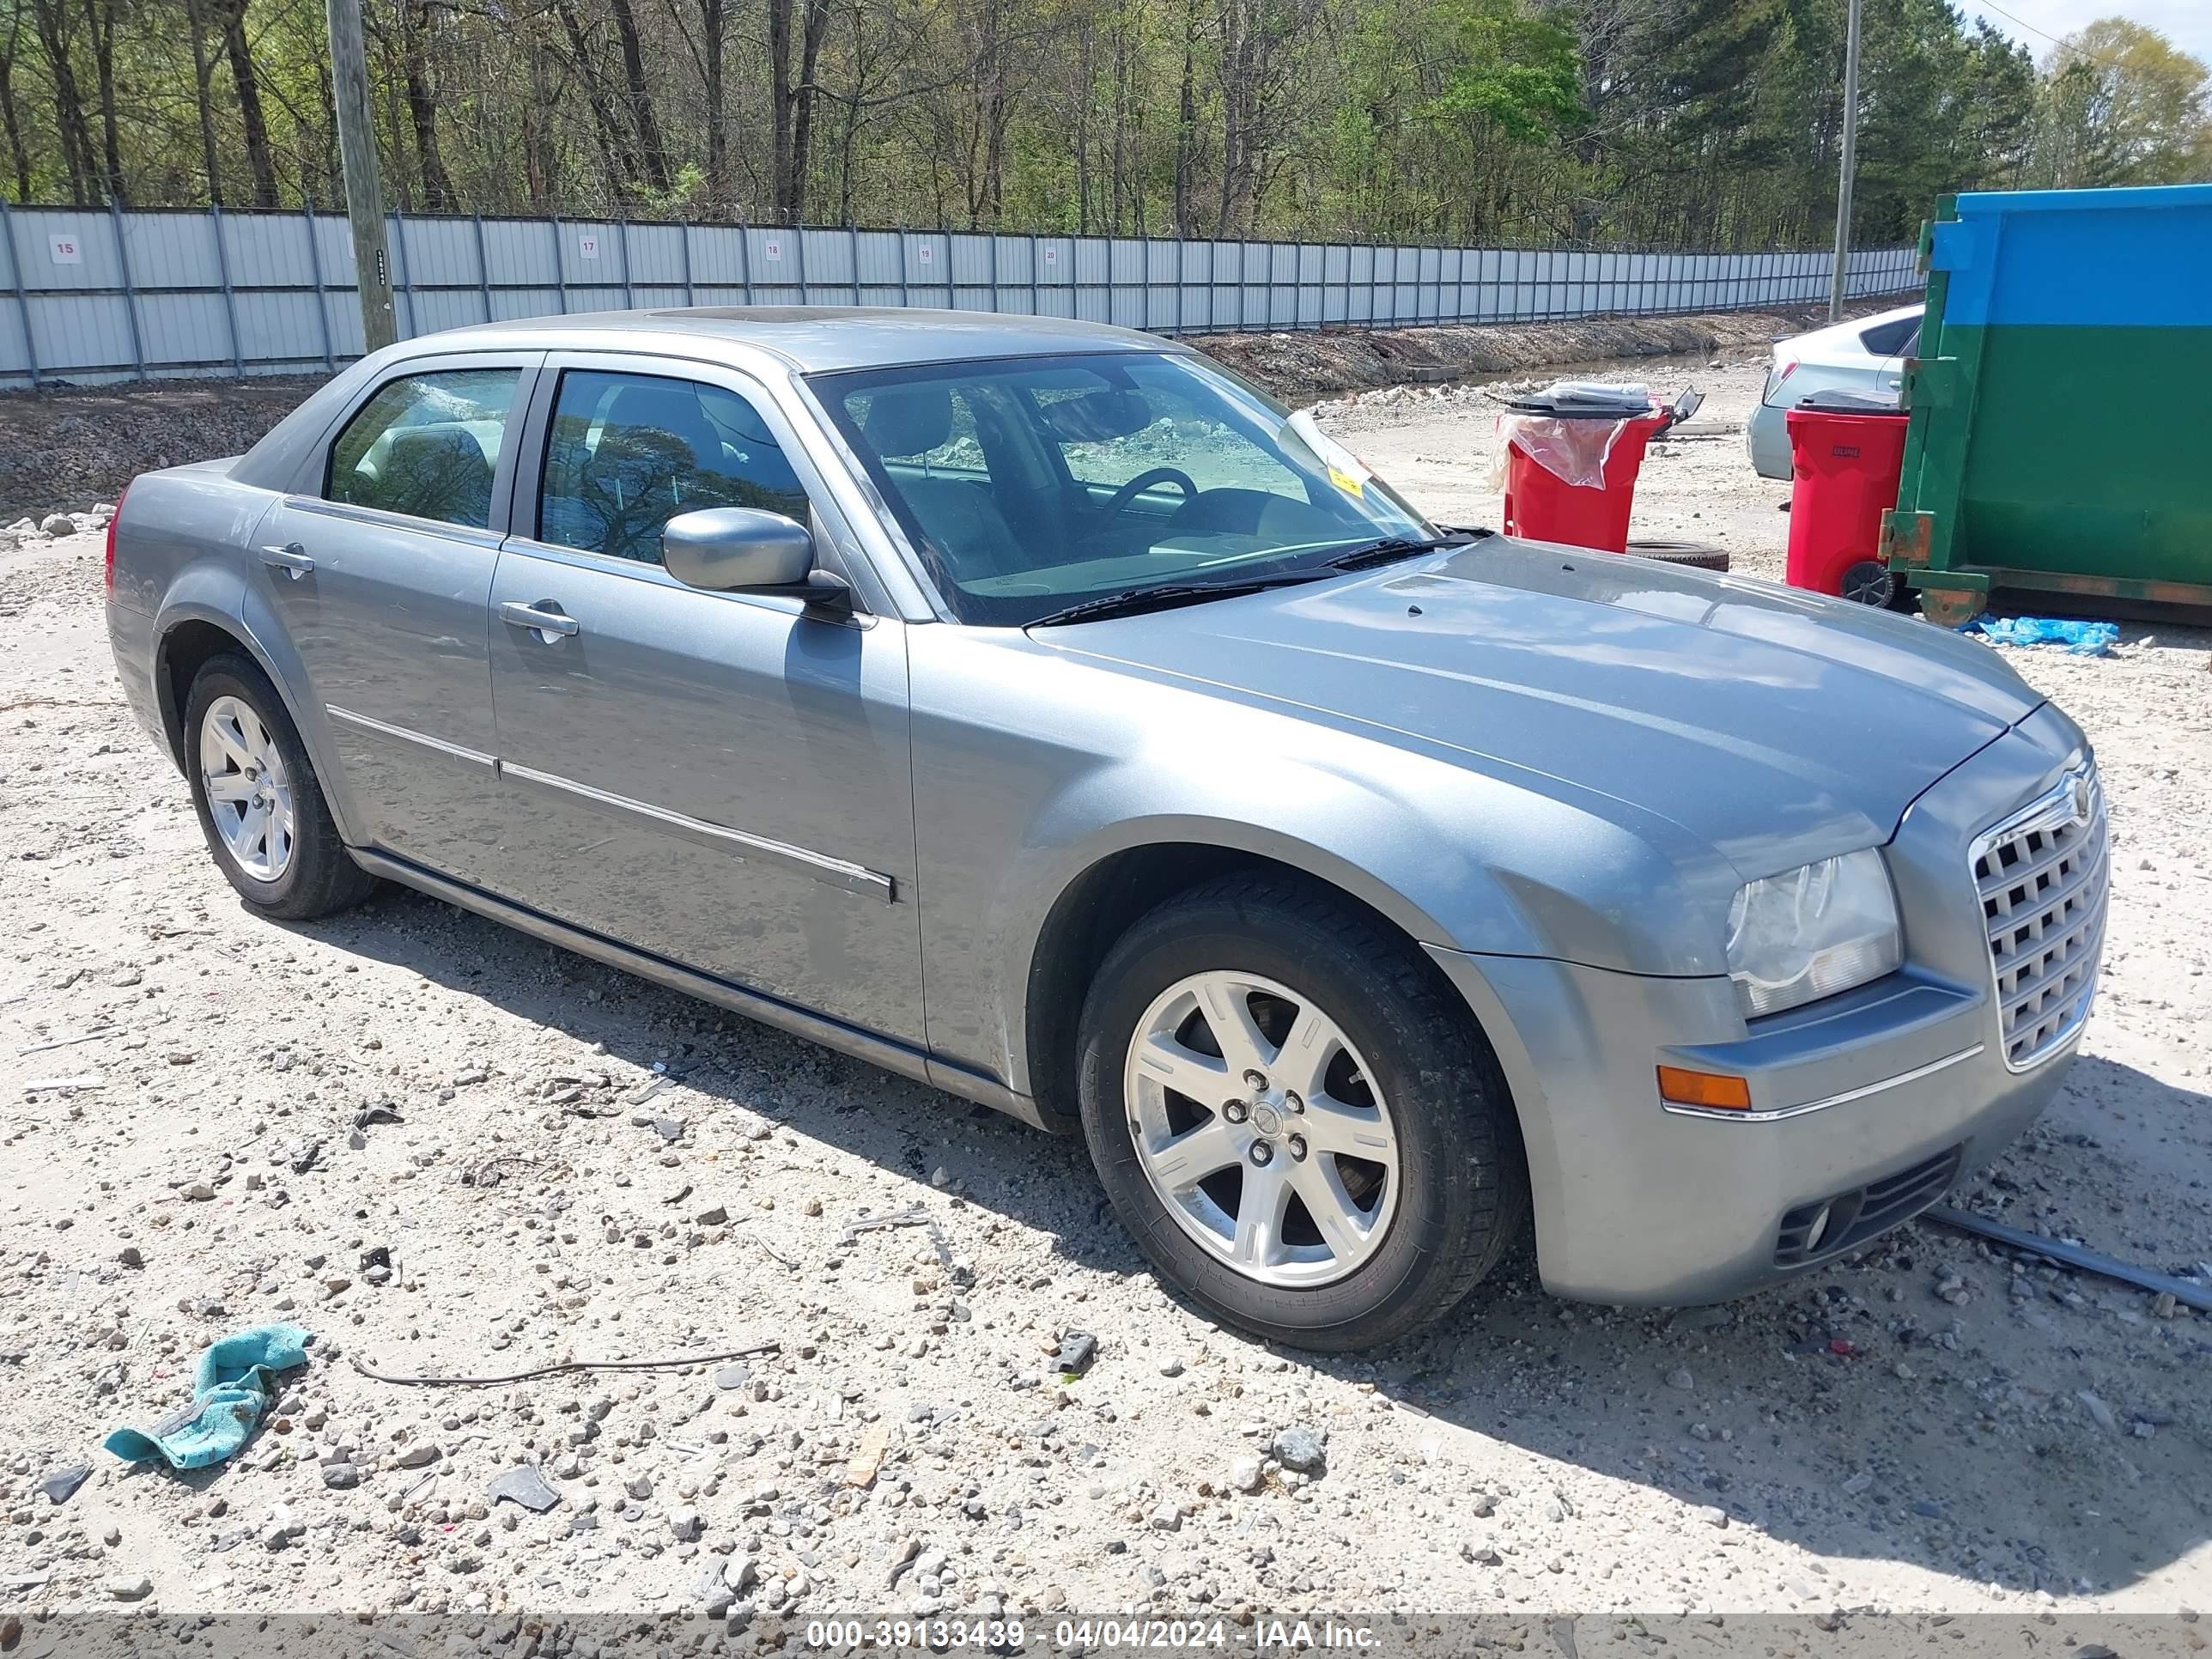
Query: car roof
[1846,333]
[808,339]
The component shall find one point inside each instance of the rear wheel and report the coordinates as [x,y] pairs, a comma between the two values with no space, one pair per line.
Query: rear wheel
[1302,1130]
[260,804]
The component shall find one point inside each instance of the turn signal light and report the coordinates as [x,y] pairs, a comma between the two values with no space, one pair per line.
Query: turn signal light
[1715,1090]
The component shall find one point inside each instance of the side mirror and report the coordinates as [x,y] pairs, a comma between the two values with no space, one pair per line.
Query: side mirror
[742,549]
[728,548]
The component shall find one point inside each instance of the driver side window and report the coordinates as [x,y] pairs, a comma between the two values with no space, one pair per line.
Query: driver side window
[627,452]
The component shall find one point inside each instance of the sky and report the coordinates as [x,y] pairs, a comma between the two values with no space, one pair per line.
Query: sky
[2187,23]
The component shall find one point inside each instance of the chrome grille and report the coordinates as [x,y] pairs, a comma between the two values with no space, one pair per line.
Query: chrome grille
[2042,878]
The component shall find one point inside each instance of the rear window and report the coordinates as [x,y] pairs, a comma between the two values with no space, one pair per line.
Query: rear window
[1892,338]
[426,445]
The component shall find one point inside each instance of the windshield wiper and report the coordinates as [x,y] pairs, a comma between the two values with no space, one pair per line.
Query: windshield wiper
[1390,549]
[1134,601]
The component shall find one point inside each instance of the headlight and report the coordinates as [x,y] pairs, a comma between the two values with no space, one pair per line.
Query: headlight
[1811,932]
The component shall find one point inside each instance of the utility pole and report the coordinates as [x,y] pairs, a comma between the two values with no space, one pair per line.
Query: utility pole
[1836,275]
[364,189]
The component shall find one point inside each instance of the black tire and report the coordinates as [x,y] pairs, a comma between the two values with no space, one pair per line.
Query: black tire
[321,878]
[1870,582]
[1463,1195]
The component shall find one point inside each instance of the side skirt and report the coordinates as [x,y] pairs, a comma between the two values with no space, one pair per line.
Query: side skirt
[893,1056]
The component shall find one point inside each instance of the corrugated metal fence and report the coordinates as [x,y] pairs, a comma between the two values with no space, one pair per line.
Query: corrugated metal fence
[101,295]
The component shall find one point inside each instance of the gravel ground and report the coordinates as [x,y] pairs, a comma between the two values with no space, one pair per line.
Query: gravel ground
[210,1122]
[1440,444]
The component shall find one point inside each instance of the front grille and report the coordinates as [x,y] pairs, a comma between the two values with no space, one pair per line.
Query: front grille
[1813,1232]
[2043,880]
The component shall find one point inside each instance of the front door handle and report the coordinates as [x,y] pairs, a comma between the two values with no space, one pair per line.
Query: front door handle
[539,618]
[291,557]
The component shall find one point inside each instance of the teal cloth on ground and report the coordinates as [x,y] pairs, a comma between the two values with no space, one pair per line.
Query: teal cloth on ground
[2080,638]
[236,1377]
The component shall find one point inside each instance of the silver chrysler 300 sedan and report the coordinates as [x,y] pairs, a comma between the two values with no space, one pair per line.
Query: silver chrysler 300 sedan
[1036,709]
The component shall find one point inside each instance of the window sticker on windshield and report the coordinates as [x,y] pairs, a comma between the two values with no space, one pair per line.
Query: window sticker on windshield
[1346,470]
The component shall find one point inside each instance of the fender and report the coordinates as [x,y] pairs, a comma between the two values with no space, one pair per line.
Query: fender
[205,592]
[1380,845]
[1016,800]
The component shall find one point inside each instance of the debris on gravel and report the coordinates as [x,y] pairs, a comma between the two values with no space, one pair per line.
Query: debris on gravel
[1076,1351]
[57,1485]
[1299,1449]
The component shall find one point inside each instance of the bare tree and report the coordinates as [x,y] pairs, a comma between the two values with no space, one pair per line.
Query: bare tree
[55,35]
[882,46]
[713,18]
[255,124]
[99,21]
[1254,70]
[1187,138]
[652,152]
[540,160]
[415,26]
[202,97]
[790,100]
[608,131]
[11,43]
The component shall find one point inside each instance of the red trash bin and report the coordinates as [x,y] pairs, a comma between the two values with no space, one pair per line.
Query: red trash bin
[1544,506]
[1846,454]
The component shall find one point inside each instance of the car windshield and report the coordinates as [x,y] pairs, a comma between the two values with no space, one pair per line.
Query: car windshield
[1033,483]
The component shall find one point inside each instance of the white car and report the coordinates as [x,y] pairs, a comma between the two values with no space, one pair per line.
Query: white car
[1867,353]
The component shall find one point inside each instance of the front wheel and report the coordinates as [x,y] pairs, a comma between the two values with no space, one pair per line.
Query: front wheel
[1289,1111]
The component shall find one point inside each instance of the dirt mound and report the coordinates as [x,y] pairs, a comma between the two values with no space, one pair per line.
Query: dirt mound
[1295,366]
[67,446]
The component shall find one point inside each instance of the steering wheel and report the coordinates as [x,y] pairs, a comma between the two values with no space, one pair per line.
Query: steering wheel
[1144,481]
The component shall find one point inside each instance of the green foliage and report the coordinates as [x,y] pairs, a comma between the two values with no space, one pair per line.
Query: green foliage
[1681,123]
[687,188]
[1510,67]
[2120,105]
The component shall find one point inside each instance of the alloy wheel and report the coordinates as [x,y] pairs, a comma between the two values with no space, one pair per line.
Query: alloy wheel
[249,790]
[1261,1128]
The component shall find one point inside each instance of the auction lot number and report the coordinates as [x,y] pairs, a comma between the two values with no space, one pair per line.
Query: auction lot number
[1008,1635]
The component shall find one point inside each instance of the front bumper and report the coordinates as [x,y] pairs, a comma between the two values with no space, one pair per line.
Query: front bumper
[1869,1103]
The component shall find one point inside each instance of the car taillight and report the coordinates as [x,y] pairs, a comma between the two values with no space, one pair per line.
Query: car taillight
[107,559]
[1783,369]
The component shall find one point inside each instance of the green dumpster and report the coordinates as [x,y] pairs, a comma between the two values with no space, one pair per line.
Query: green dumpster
[2059,433]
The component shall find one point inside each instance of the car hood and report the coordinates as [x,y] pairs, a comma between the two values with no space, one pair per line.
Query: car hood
[1774,725]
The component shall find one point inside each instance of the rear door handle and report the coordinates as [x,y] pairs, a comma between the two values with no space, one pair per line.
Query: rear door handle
[515,614]
[291,557]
